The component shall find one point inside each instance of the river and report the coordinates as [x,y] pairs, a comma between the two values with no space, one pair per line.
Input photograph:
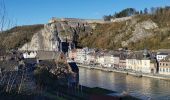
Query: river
[144,88]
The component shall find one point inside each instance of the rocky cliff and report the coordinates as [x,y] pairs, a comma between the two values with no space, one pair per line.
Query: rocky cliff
[55,32]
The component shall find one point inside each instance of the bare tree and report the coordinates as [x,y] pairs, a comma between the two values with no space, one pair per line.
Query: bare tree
[5,22]
[2,15]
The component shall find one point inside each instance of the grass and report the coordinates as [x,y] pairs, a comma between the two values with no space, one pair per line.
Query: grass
[53,96]
[96,90]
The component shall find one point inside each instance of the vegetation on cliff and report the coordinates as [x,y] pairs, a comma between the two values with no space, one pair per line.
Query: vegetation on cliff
[111,35]
[18,36]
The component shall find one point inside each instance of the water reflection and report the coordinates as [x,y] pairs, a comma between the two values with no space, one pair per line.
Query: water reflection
[145,88]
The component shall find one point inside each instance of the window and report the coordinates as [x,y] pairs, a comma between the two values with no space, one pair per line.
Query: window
[160,69]
[160,64]
[166,69]
[166,64]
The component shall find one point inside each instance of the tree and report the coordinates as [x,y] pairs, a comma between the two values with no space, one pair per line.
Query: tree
[107,18]
[5,22]
[145,11]
[141,12]
[126,12]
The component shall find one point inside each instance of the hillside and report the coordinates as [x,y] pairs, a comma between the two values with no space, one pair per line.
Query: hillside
[150,31]
[18,36]
[139,31]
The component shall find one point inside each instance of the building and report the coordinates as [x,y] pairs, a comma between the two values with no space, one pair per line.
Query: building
[164,66]
[141,62]
[161,56]
[122,61]
[72,54]
[91,58]
[30,54]
[108,60]
[121,19]
[82,54]
[100,58]
[116,60]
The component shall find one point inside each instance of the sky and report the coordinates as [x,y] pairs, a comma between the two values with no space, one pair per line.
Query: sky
[26,12]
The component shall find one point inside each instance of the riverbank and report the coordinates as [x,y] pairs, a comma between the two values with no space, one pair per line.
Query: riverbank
[86,93]
[65,93]
[157,76]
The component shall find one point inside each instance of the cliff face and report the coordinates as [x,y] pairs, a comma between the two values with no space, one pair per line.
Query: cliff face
[56,32]
[140,31]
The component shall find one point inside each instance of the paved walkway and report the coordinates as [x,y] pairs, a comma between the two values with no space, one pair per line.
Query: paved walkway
[134,73]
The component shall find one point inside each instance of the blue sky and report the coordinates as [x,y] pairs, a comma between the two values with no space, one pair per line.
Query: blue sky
[40,11]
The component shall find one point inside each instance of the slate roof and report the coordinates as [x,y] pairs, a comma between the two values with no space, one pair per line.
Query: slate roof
[162,53]
[122,56]
[167,58]
[136,55]
[47,55]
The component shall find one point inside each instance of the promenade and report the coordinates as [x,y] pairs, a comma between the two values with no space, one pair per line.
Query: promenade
[128,72]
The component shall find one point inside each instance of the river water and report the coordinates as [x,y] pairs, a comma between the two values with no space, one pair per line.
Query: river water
[144,88]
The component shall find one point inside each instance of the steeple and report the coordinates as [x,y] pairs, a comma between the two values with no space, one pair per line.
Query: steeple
[145,53]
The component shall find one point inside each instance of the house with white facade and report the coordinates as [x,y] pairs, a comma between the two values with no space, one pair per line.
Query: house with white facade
[100,58]
[91,58]
[107,59]
[141,62]
[116,60]
[30,54]
[82,55]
